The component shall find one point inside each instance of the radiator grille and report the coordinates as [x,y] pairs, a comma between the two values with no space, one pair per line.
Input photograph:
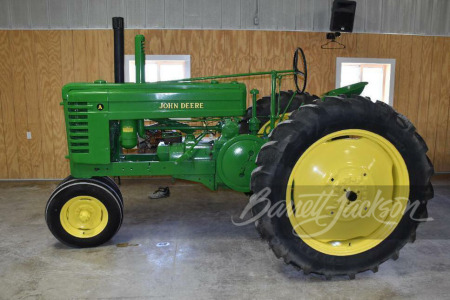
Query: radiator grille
[78,127]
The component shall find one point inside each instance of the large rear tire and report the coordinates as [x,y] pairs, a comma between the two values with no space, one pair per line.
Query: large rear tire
[352,149]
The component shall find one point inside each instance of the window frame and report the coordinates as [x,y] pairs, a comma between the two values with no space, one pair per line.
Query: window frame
[369,61]
[186,58]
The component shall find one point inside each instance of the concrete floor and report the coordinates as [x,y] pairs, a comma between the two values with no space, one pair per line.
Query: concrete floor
[187,247]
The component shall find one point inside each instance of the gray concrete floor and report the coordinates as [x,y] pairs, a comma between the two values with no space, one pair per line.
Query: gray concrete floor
[186,247]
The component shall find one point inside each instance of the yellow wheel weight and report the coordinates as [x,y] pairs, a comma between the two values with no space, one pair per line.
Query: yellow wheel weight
[347,192]
[84,216]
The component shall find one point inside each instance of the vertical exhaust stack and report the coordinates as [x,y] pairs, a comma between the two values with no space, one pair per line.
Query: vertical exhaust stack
[119,64]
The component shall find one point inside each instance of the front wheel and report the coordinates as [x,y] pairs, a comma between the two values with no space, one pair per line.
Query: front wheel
[353,180]
[84,213]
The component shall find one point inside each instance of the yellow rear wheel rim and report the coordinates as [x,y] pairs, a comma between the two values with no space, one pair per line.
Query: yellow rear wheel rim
[347,192]
[84,216]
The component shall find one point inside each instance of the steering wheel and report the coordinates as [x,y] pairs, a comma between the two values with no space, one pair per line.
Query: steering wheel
[297,72]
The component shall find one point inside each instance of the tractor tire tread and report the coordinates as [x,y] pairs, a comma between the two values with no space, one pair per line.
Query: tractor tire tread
[270,158]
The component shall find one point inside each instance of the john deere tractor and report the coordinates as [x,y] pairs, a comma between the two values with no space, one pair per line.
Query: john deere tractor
[338,184]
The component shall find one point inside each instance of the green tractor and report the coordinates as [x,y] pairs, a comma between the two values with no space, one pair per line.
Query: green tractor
[337,184]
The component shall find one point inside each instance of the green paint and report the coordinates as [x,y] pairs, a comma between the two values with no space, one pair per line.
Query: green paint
[254,122]
[139,56]
[236,161]
[352,89]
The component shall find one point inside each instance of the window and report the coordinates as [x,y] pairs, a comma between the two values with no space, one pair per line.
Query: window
[159,67]
[379,73]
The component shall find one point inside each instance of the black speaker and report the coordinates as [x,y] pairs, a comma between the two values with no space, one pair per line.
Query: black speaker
[342,15]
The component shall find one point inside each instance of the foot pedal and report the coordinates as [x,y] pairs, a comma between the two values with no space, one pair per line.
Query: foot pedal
[161,192]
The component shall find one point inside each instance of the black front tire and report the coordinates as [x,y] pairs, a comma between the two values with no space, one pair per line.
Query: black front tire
[83,187]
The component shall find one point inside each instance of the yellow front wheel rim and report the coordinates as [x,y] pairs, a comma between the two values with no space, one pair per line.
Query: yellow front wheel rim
[84,216]
[347,192]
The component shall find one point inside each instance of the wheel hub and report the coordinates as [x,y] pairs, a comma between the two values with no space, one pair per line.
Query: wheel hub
[84,216]
[351,196]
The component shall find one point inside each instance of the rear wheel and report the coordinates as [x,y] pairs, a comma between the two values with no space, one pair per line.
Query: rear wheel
[263,107]
[354,180]
[83,213]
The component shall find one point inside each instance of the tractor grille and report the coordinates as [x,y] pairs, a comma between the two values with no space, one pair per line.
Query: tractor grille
[78,127]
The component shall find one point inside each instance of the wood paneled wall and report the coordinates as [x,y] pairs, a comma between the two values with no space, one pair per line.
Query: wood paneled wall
[35,64]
